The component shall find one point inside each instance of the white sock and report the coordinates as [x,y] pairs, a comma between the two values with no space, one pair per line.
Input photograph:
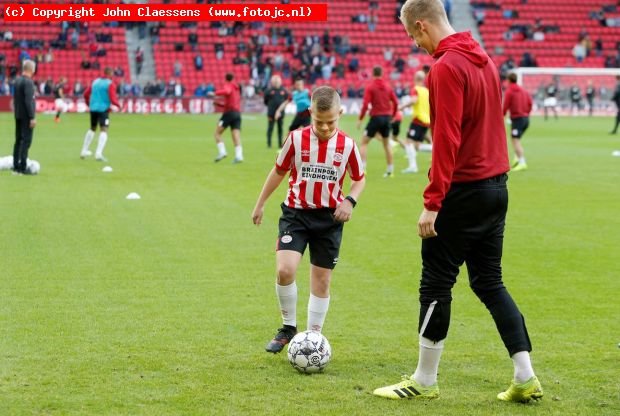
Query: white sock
[411,154]
[221,148]
[428,362]
[238,152]
[523,367]
[103,138]
[317,310]
[88,138]
[390,168]
[426,147]
[287,296]
[522,160]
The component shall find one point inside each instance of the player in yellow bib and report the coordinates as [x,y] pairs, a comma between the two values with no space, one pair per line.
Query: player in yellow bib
[421,121]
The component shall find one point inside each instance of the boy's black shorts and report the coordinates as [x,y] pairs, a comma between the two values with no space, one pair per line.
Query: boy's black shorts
[231,119]
[299,228]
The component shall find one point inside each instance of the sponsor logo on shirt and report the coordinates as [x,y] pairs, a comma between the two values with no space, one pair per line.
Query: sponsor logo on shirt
[319,173]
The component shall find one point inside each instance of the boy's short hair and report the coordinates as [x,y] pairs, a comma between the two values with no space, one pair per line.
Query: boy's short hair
[229,77]
[325,98]
[429,10]
[377,71]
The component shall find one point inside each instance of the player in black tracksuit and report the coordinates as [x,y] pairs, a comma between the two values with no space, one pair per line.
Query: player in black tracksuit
[24,107]
[274,97]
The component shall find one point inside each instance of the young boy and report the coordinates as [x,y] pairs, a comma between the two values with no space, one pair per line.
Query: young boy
[314,210]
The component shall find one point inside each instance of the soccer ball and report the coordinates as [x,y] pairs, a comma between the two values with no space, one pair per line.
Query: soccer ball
[33,166]
[309,352]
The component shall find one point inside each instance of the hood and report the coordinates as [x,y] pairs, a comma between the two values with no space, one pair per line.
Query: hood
[463,43]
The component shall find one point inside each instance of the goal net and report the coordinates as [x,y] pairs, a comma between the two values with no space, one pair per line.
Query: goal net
[576,91]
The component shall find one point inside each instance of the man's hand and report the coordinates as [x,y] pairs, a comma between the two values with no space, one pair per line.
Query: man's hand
[33,123]
[210,94]
[257,215]
[426,224]
[343,212]
[278,115]
[359,124]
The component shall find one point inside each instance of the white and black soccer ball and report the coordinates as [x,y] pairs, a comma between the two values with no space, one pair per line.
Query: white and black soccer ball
[309,352]
[33,167]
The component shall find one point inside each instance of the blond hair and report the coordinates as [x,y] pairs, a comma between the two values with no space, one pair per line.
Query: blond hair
[325,98]
[430,10]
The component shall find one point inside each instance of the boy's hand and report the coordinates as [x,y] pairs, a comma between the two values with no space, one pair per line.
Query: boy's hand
[257,215]
[343,212]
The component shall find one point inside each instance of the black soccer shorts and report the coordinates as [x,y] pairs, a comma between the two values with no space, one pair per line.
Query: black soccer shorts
[101,118]
[416,132]
[317,228]
[231,119]
[395,128]
[378,124]
[301,120]
[518,126]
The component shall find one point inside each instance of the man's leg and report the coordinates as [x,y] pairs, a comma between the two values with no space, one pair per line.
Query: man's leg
[25,147]
[101,142]
[270,123]
[221,148]
[280,131]
[364,149]
[236,138]
[389,156]
[17,146]
[485,277]
[615,130]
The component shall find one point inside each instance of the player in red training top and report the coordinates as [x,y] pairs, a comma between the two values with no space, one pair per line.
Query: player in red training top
[384,106]
[519,103]
[231,117]
[314,211]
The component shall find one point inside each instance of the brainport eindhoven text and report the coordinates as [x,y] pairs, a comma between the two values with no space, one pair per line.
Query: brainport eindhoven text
[85,11]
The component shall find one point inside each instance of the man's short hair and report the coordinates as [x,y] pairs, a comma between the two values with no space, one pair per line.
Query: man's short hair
[299,79]
[29,65]
[430,10]
[229,77]
[108,71]
[325,98]
[512,77]
[419,76]
[377,71]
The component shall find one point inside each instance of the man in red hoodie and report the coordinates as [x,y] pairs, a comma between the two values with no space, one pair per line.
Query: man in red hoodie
[519,103]
[465,202]
[384,107]
[231,117]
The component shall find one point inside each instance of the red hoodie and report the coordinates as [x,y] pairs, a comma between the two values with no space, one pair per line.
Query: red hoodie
[518,101]
[469,138]
[232,92]
[382,97]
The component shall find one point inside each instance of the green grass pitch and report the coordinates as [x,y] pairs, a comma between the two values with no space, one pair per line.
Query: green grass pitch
[163,306]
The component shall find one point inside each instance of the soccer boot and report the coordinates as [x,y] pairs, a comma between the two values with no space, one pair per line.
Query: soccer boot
[86,154]
[522,393]
[409,170]
[408,389]
[388,175]
[101,158]
[283,337]
[220,157]
[519,167]
[237,160]
[515,162]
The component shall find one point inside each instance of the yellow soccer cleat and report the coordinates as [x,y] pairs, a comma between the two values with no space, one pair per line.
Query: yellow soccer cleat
[519,167]
[408,389]
[522,393]
[515,161]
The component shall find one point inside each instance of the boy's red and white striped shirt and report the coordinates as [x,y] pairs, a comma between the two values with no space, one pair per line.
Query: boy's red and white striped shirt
[318,168]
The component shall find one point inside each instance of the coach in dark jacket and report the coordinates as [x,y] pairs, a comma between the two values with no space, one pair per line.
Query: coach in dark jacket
[274,97]
[24,106]
[616,99]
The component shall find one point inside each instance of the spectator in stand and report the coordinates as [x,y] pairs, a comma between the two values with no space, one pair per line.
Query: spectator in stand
[579,52]
[119,72]
[210,88]
[351,91]
[154,31]
[5,88]
[49,56]
[139,57]
[528,60]
[372,22]
[192,38]
[219,51]
[399,63]
[200,91]
[178,66]
[388,54]
[198,62]
[75,37]
[598,47]
[178,89]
